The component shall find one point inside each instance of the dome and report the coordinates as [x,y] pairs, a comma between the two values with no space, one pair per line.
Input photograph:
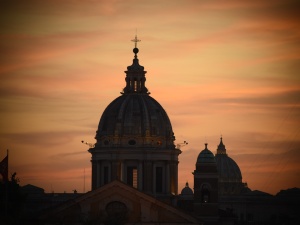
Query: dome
[135,119]
[206,156]
[187,191]
[230,176]
[228,170]
[135,140]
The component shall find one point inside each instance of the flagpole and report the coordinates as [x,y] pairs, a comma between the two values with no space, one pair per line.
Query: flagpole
[84,180]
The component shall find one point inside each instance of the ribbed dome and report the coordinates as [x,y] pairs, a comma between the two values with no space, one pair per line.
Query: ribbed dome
[135,120]
[206,156]
[228,170]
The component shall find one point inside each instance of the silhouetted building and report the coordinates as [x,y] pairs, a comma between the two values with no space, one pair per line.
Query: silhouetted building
[117,203]
[206,187]
[37,201]
[186,199]
[135,140]
[230,176]
[135,175]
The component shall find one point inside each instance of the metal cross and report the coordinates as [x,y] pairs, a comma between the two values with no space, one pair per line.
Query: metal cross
[135,40]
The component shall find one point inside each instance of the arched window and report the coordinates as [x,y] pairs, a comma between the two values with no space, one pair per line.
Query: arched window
[116,212]
[205,193]
[135,85]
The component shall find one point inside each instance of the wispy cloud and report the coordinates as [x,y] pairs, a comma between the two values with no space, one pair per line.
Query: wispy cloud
[41,139]
[216,67]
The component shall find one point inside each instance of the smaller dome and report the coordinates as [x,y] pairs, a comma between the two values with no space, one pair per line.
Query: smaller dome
[186,191]
[206,156]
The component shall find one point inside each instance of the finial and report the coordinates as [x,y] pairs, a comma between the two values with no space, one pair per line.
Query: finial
[206,145]
[135,40]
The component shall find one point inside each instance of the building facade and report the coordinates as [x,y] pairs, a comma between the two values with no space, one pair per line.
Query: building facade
[135,140]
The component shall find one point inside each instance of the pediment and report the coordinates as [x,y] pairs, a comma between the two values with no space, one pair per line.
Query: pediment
[117,203]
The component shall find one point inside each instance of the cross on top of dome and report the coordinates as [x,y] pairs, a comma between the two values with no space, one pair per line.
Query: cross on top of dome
[135,50]
[135,40]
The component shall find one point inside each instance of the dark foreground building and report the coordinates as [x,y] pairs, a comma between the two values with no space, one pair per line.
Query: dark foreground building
[135,176]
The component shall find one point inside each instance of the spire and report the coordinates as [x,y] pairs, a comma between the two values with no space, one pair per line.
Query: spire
[221,147]
[135,74]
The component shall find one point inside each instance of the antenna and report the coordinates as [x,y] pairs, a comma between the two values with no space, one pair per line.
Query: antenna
[84,180]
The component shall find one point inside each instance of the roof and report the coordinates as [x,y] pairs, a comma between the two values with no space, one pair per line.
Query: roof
[187,191]
[228,169]
[140,206]
[206,156]
[137,119]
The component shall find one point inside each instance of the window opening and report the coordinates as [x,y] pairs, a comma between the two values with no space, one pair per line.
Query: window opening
[105,174]
[131,142]
[159,180]
[205,194]
[132,176]
[116,212]
[135,85]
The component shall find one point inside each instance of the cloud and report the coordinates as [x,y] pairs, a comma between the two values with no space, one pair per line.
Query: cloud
[68,154]
[279,99]
[63,8]
[216,67]
[56,176]
[41,49]
[41,139]
[268,170]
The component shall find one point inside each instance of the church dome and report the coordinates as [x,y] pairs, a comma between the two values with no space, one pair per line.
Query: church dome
[135,119]
[230,176]
[228,169]
[187,191]
[206,156]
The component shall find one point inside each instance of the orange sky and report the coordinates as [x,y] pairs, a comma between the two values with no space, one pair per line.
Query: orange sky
[217,67]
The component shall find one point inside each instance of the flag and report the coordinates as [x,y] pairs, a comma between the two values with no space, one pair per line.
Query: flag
[4,168]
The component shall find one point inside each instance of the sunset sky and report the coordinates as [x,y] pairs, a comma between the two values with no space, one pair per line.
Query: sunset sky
[229,68]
